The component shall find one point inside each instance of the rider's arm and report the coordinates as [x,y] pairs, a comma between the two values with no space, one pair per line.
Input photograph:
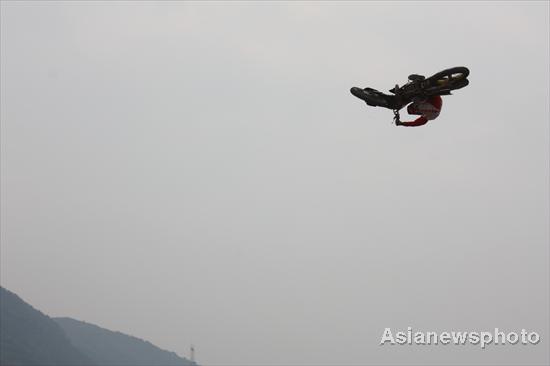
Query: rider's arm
[417,122]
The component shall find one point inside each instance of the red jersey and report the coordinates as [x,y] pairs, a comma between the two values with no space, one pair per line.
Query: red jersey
[427,109]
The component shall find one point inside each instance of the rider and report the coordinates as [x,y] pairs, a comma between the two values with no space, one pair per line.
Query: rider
[428,109]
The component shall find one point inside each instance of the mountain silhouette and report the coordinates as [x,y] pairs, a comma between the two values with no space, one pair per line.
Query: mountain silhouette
[108,348]
[30,338]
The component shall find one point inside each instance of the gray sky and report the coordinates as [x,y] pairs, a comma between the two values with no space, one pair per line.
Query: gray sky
[198,173]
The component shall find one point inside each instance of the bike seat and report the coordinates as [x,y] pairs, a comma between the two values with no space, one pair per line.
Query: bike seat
[416,77]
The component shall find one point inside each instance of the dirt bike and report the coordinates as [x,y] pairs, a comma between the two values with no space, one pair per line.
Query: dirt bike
[418,87]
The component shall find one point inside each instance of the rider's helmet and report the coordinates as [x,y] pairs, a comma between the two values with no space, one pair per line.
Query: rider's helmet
[434,100]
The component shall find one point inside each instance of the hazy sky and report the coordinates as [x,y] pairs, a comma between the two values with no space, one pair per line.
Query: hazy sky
[198,173]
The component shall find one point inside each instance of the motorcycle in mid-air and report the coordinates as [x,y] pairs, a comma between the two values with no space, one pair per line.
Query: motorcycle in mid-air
[417,88]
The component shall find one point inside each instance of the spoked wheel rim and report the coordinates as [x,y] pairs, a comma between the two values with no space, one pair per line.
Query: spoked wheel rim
[450,76]
[453,78]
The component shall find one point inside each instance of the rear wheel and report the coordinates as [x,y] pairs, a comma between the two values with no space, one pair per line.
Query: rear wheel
[446,80]
[450,79]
